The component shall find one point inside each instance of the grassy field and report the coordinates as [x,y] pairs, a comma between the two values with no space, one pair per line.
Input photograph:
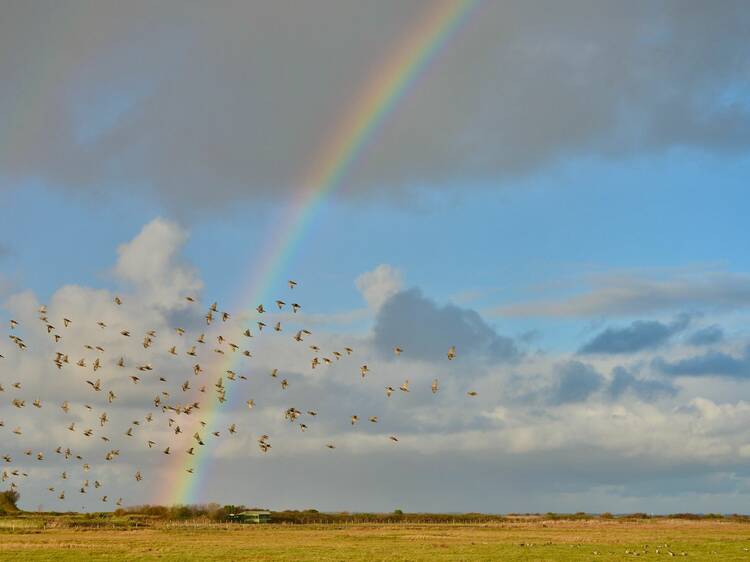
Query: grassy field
[516,539]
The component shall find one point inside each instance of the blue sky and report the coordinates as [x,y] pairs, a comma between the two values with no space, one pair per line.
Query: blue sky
[479,245]
[569,202]
[674,211]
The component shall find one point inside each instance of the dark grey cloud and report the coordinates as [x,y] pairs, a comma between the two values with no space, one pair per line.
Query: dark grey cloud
[242,96]
[426,330]
[624,382]
[711,363]
[707,336]
[576,382]
[640,335]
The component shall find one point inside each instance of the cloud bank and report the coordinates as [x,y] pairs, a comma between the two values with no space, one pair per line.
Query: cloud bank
[243,96]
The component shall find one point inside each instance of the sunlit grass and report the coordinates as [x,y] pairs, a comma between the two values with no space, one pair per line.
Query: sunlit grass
[46,538]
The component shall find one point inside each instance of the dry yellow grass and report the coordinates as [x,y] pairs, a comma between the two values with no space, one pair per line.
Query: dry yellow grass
[519,539]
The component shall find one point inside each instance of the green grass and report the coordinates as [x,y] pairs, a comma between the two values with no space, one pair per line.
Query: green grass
[31,538]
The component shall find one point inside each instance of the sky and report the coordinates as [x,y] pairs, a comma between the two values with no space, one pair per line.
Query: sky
[560,192]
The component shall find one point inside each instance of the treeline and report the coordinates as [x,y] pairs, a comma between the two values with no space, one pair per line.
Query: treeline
[313,516]
[215,512]
[212,511]
[630,516]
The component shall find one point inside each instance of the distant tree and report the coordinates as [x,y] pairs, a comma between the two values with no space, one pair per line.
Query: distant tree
[398,512]
[9,500]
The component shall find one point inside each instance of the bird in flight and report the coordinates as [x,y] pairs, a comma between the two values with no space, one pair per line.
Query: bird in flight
[168,413]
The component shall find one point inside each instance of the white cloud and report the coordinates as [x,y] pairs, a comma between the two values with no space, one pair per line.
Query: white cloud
[150,263]
[380,284]
[630,294]
[704,424]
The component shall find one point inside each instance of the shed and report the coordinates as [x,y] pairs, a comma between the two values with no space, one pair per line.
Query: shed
[252,516]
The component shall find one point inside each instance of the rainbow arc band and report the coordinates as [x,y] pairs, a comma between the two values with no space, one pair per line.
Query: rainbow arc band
[384,90]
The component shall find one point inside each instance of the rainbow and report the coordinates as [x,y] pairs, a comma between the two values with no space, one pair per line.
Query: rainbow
[379,96]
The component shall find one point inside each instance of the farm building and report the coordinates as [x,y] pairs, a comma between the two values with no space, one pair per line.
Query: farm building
[253,516]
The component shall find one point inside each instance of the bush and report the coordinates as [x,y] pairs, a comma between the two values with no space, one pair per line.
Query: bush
[638,515]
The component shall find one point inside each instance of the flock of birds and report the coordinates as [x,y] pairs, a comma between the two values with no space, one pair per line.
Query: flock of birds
[171,409]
